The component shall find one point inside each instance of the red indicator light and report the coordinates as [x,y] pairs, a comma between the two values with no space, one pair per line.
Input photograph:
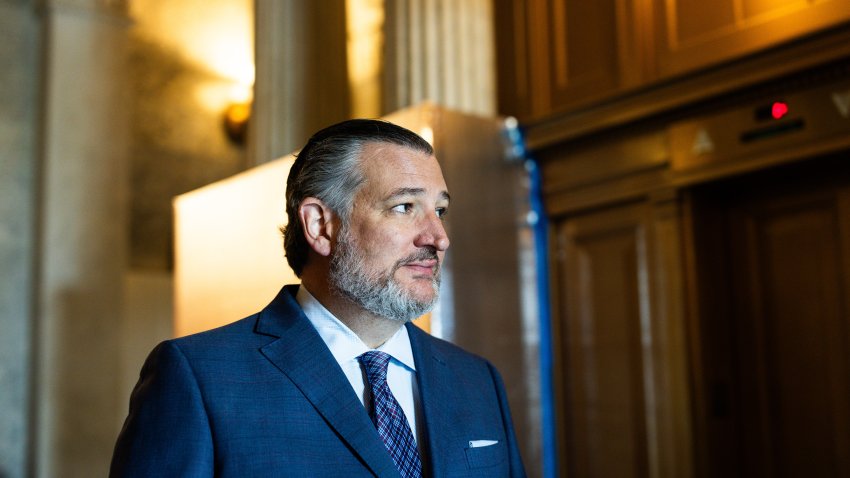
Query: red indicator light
[778,110]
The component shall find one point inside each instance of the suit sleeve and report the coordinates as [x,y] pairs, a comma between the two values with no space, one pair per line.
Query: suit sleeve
[517,469]
[167,432]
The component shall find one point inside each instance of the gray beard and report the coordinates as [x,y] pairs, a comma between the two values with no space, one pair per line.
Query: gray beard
[377,293]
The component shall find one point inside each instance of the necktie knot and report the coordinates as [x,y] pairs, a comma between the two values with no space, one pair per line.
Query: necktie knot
[375,363]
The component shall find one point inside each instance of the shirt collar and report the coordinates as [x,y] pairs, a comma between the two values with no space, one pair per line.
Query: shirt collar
[343,343]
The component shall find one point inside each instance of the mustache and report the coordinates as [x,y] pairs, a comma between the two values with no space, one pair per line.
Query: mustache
[425,254]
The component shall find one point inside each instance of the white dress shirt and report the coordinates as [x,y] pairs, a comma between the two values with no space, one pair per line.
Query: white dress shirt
[346,346]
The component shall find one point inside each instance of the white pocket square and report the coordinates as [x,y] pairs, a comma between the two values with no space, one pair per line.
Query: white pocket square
[481,443]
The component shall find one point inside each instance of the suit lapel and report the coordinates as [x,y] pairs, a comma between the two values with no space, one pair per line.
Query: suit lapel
[435,381]
[302,355]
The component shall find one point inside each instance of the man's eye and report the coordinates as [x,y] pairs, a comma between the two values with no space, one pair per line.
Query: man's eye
[442,211]
[402,208]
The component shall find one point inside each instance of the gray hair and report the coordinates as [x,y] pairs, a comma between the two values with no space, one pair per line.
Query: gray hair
[328,168]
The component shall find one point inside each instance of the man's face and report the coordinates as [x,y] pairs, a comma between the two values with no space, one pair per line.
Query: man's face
[388,257]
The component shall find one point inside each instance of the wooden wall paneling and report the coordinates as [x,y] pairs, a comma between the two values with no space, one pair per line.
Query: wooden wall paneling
[559,54]
[791,335]
[690,34]
[513,65]
[637,65]
[603,269]
[662,98]
[843,432]
[617,191]
[691,280]
[584,58]
[566,67]
[634,23]
[665,337]
[614,157]
[522,58]
[619,167]
[623,376]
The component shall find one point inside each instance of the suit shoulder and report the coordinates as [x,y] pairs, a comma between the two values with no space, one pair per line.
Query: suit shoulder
[226,334]
[247,329]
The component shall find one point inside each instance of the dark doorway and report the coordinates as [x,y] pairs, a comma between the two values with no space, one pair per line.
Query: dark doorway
[771,335]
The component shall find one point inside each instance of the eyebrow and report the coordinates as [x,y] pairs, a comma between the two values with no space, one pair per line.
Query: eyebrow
[414,192]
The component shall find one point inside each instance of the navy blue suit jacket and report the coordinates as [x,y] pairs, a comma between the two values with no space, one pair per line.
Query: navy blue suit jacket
[264,397]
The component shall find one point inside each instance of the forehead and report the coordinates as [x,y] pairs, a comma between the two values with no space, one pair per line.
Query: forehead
[388,166]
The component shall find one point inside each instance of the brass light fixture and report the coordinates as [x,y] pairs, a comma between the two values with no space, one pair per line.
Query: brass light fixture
[236,118]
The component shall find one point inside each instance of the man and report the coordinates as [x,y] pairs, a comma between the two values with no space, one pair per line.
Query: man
[332,379]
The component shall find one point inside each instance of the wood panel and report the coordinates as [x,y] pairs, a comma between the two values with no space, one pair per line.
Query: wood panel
[561,60]
[604,273]
[615,156]
[692,34]
[513,57]
[623,393]
[559,54]
[583,54]
[792,329]
[669,411]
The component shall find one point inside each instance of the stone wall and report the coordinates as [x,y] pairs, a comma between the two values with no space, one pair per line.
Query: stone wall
[82,238]
[19,80]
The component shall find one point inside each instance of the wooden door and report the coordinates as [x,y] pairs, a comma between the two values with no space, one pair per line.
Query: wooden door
[603,405]
[623,401]
[774,345]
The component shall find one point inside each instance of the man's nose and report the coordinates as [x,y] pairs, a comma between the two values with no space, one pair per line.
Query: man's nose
[433,234]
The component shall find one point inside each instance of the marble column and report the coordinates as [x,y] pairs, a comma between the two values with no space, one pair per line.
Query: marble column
[440,51]
[19,78]
[302,81]
[82,238]
[435,50]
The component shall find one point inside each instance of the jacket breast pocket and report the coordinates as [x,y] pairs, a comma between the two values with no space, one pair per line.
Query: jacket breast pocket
[486,456]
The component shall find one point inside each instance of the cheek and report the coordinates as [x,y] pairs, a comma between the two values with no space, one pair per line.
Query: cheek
[389,247]
[384,243]
[375,245]
[382,239]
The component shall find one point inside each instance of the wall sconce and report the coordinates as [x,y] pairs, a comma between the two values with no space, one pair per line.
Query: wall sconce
[238,112]
[236,118]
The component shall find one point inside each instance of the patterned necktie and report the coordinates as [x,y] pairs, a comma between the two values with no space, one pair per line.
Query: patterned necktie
[389,418]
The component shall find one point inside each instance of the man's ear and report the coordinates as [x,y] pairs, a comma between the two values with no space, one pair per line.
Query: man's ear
[317,224]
